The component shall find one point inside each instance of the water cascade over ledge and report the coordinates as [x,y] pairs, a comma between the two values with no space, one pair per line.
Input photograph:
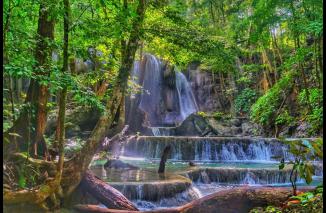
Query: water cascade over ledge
[165,99]
[163,113]
[207,148]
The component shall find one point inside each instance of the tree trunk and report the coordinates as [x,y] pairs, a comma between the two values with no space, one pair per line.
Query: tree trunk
[239,200]
[320,60]
[164,157]
[105,194]
[37,94]
[63,95]
[75,169]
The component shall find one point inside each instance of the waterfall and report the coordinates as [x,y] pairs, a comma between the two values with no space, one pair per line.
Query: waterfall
[249,179]
[187,102]
[161,103]
[260,151]
[204,177]
[196,190]
[205,149]
[156,131]
[239,176]
[162,131]
[227,153]
[152,86]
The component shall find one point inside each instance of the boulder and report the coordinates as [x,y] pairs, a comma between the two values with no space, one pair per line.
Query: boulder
[235,122]
[251,129]
[195,125]
[302,130]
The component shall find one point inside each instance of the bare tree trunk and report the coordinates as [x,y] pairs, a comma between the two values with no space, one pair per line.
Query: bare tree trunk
[63,95]
[164,158]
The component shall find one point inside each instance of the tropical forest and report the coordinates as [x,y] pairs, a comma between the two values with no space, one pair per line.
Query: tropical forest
[162,106]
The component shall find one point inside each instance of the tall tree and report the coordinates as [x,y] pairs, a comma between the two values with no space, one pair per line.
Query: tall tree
[76,167]
[38,91]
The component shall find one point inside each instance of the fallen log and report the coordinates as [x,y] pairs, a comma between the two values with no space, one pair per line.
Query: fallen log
[105,194]
[237,200]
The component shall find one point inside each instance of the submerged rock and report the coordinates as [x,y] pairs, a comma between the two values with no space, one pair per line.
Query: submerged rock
[118,164]
[191,163]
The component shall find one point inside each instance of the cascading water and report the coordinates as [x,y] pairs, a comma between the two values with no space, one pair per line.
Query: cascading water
[152,86]
[205,164]
[208,149]
[163,101]
[156,131]
[162,131]
[187,100]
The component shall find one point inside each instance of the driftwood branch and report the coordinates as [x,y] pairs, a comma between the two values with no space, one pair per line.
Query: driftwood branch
[115,140]
[104,193]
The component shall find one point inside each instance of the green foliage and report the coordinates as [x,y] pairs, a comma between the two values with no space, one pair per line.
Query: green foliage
[202,114]
[264,111]
[284,118]
[221,116]
[308,202]
[21,179]
[218,115]
[244,100]
[268,209]
[304,151]
[314,115]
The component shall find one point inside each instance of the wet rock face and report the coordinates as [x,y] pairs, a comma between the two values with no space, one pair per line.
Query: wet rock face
[302,130]
[207,90]
[236,127]
[251,129]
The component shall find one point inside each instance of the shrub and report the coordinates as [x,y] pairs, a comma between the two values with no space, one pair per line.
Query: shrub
[265,109]
[284,118]
[221,115]
[218,115]
[244,100]
[202,114]
[314,115]
[306,202]
[304,152]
